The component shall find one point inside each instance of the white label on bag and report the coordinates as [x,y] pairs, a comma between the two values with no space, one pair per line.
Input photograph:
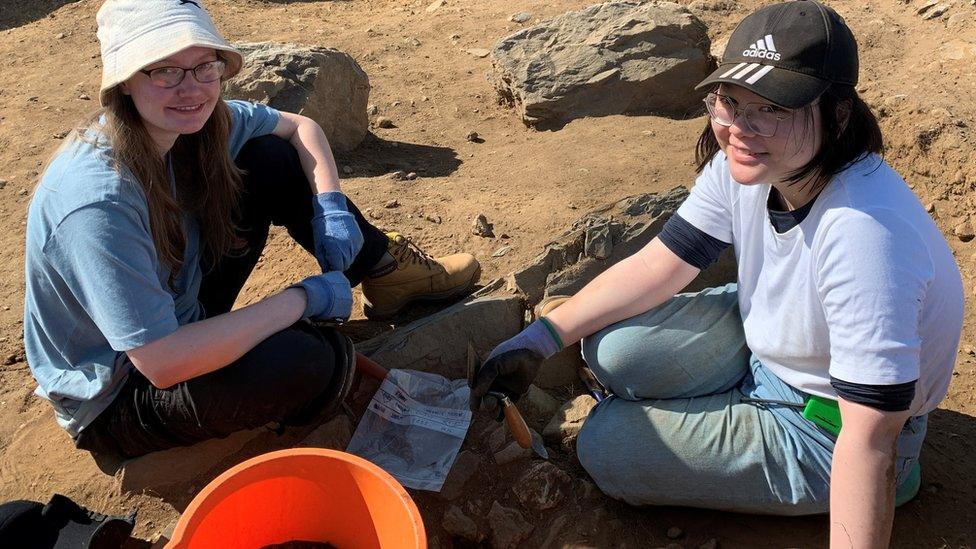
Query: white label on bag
[392,403]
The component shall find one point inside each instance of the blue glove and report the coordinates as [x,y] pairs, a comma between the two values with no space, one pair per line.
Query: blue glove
[327,296]
[337,235]
[513,365]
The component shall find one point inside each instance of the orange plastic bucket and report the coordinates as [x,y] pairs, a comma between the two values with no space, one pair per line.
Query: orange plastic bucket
[302,494]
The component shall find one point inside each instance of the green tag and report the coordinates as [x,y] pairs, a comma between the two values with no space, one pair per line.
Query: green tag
[824,412]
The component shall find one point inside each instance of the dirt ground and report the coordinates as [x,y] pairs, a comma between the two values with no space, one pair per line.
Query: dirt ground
[917,73]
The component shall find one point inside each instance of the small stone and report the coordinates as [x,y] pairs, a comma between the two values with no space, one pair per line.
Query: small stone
[458,524]
[347,170]
[565,425]
[674,532]
[392,203]
[60,135]
[964,231]
[520,17]
[372,110]
[497,438]
[539,403]
[411,176]
[508,527]
[482,228]
[435,5]
[969,350]
[3,183]
[543,486]
[501,251]
[23,192]
[473,137]
[384,122]
[480,53]
[454,37]
[512,452]
[433,218]
[413,42]
[398,175]
[930,207]
[60,36]
[11,359]
[84,97]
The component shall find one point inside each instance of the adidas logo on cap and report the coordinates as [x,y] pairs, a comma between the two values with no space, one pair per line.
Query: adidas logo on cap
[763,49]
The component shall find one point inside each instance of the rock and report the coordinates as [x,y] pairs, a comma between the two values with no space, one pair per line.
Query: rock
[508,527]
[561,369]
[372,110]
[435,5]
[482,228]
[520,17]
[480,53]
[498,438]
[398,175]
[933,11]
[543,486]
[383,122]
[458,524]
[411,176]
[392,203]
[3,183]
[438,343]
[512,452]
[334,435]
[465,466]
[539,404]
[969,350]
[964,231]
[501,251]
[620,57]
[565,425]
[598,242]
[558,527]
[60,36]
[474,137]
[347,170]
[930,207]
[674,532]
[84,97]
[324,84]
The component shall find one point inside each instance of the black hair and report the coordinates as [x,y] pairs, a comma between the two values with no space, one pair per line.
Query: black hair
[841,143]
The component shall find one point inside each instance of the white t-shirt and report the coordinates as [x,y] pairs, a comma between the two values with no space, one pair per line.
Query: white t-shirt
[864,289]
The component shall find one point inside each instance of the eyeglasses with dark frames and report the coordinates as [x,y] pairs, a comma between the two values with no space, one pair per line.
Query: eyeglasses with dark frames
[170,77]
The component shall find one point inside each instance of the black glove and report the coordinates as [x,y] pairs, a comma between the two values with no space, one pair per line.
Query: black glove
[513,365]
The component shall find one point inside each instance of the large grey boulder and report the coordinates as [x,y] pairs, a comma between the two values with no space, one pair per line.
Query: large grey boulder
[613,58]
[323,84]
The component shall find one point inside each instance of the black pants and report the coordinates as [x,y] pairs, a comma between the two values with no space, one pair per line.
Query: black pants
[286,377]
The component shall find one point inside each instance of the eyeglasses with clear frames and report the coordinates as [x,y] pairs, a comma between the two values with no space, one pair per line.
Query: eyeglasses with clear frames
[762,118]
[170,77]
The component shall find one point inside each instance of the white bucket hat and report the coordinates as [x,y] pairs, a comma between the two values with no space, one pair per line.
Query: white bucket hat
[137,33]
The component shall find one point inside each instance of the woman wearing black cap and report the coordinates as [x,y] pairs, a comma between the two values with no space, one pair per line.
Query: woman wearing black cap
[847,309]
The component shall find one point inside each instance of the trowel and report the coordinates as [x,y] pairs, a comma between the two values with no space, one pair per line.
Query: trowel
[513,418]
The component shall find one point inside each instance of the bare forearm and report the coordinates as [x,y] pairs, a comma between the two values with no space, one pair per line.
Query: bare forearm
[316,157]
[632,286]
[202,347]
[862,496]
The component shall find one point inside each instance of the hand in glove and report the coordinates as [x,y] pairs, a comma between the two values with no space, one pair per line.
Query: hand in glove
[513,365]
[327,297]
[337,235]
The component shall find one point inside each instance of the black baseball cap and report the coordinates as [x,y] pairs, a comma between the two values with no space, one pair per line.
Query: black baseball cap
[789,53]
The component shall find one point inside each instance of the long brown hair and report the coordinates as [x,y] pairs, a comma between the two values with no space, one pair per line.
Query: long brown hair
[842,142]
[207,183]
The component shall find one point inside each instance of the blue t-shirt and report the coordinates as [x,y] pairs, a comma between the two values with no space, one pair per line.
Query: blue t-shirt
[95,285]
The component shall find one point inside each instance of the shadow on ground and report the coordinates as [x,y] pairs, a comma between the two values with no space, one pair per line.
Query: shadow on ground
[376,156]
[16,13]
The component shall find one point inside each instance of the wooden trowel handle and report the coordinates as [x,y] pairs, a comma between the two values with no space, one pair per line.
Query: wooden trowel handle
[516,424]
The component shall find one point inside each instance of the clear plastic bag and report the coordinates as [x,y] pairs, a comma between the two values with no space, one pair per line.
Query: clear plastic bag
[414,427]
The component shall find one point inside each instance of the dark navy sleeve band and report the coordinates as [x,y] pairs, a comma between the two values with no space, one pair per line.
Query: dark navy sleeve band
[694,246]
[887,398]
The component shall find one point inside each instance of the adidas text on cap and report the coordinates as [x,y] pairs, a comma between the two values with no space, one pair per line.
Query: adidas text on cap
[789,53]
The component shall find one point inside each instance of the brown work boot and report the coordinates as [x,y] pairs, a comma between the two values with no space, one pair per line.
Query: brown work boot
[549,304]
[416,276]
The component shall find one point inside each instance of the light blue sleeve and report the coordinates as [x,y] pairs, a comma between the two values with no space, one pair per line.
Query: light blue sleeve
[249,120]
[106,256]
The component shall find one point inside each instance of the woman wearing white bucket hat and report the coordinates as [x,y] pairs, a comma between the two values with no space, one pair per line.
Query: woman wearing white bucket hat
[148,221]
